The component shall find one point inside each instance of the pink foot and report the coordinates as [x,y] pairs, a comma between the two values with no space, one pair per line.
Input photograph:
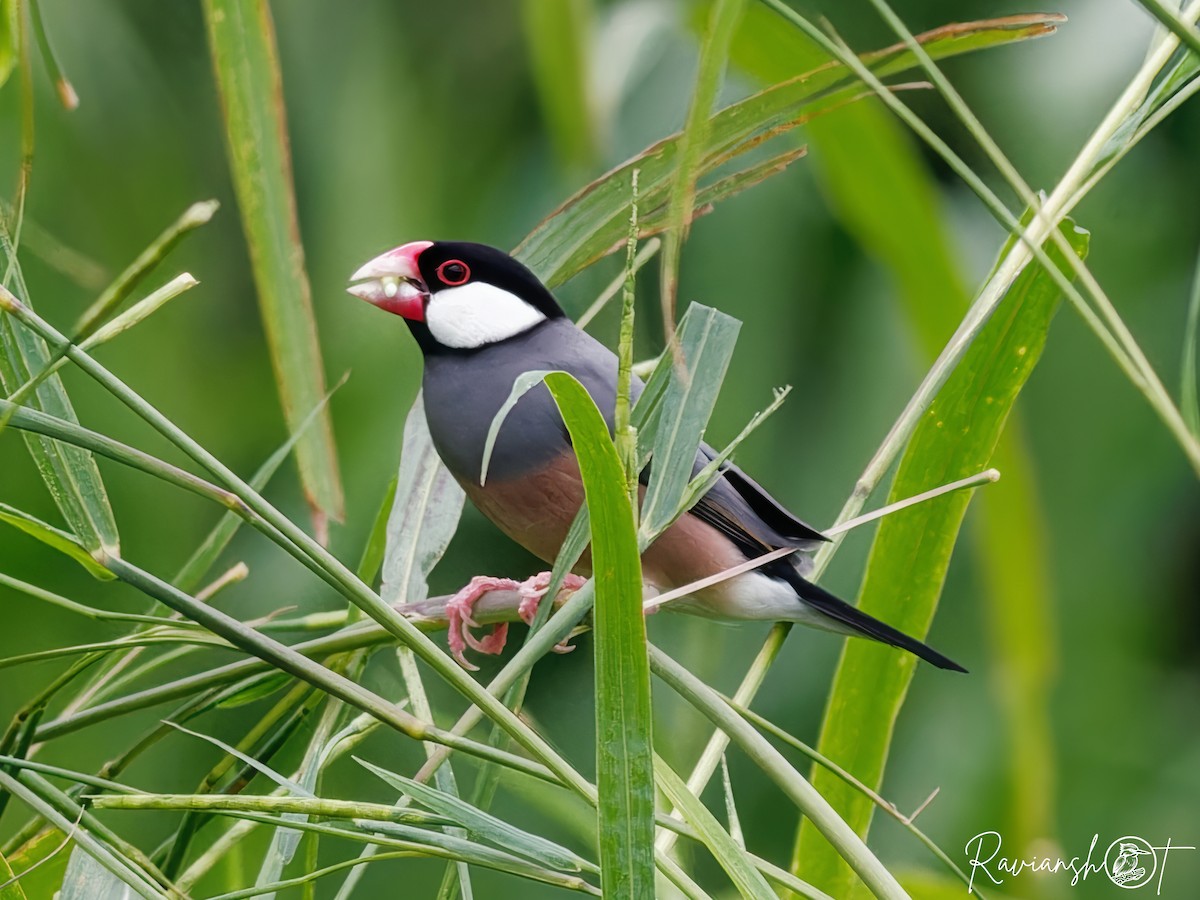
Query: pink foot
[533,589]
[460,623]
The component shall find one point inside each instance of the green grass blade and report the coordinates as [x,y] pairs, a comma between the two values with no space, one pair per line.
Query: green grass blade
[242,41]
[483,825]
[911,553]
[723,18]
[624,765]
[732,858]
[1189,404]
[592,223]
[53,537]
[706,341]
[424,514]
[70,473]
[558,33]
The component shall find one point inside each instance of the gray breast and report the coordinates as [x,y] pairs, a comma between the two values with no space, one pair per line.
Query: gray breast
[464,392]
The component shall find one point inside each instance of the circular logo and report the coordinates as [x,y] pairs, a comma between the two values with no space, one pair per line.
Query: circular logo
[1130,862]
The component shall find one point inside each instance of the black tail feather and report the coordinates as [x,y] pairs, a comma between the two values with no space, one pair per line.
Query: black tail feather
[859,622]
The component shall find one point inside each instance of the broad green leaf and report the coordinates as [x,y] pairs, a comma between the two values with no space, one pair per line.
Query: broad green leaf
[558,33]
[54,537]
[592,223]
[706,340]
[912,550]
[732,858]
[424,514]
[70,473]
[242,41]
[624,765]
[483,825]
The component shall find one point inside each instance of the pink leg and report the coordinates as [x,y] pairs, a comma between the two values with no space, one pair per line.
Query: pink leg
[533,589]
[460,623]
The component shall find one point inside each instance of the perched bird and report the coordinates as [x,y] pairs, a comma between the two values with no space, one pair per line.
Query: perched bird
[482,319]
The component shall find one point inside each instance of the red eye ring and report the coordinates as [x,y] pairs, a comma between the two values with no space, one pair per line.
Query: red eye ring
[454,272]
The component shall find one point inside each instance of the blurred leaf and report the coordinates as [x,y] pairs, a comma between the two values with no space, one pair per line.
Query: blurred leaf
[255,689]
[70,473]
[481,824]
[732,858]
[14,891]
[624,765]
[8,38]
[912,550]
[53,537]
[242,39]
[1189,404]
[558,32]
[706,340]
[189,577]
[424,514]
[592,223]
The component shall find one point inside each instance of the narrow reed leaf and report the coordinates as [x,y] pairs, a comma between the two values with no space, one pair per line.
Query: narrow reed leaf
[41,862]
[706,342]
[558,34]
[520,388]
[624,764]
[424,514]
[250,761]
[912,549]
[242,41]
[115,294]
[64,543]
[723,18]
[70,473]
[592,223]
[62,86]
[732,858]
[483,825]
[1189,403]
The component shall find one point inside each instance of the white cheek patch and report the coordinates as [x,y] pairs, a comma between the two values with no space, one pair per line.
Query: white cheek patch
[477,314]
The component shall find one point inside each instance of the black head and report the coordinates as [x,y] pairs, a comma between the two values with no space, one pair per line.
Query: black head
[456,296]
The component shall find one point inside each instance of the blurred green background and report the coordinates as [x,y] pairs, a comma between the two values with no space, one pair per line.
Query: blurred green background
[415,120]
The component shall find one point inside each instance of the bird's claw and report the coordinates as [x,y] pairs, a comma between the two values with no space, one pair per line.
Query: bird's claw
[533,589]
[461,605]
[460,623]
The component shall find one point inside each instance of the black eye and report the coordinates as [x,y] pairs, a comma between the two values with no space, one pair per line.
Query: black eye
[454,272]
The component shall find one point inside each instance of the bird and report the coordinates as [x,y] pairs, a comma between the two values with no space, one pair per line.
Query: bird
[481,320]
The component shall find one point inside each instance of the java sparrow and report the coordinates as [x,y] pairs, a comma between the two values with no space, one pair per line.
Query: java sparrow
[481,319]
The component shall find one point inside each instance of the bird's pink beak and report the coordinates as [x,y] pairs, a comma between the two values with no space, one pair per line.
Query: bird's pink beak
[392,281]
